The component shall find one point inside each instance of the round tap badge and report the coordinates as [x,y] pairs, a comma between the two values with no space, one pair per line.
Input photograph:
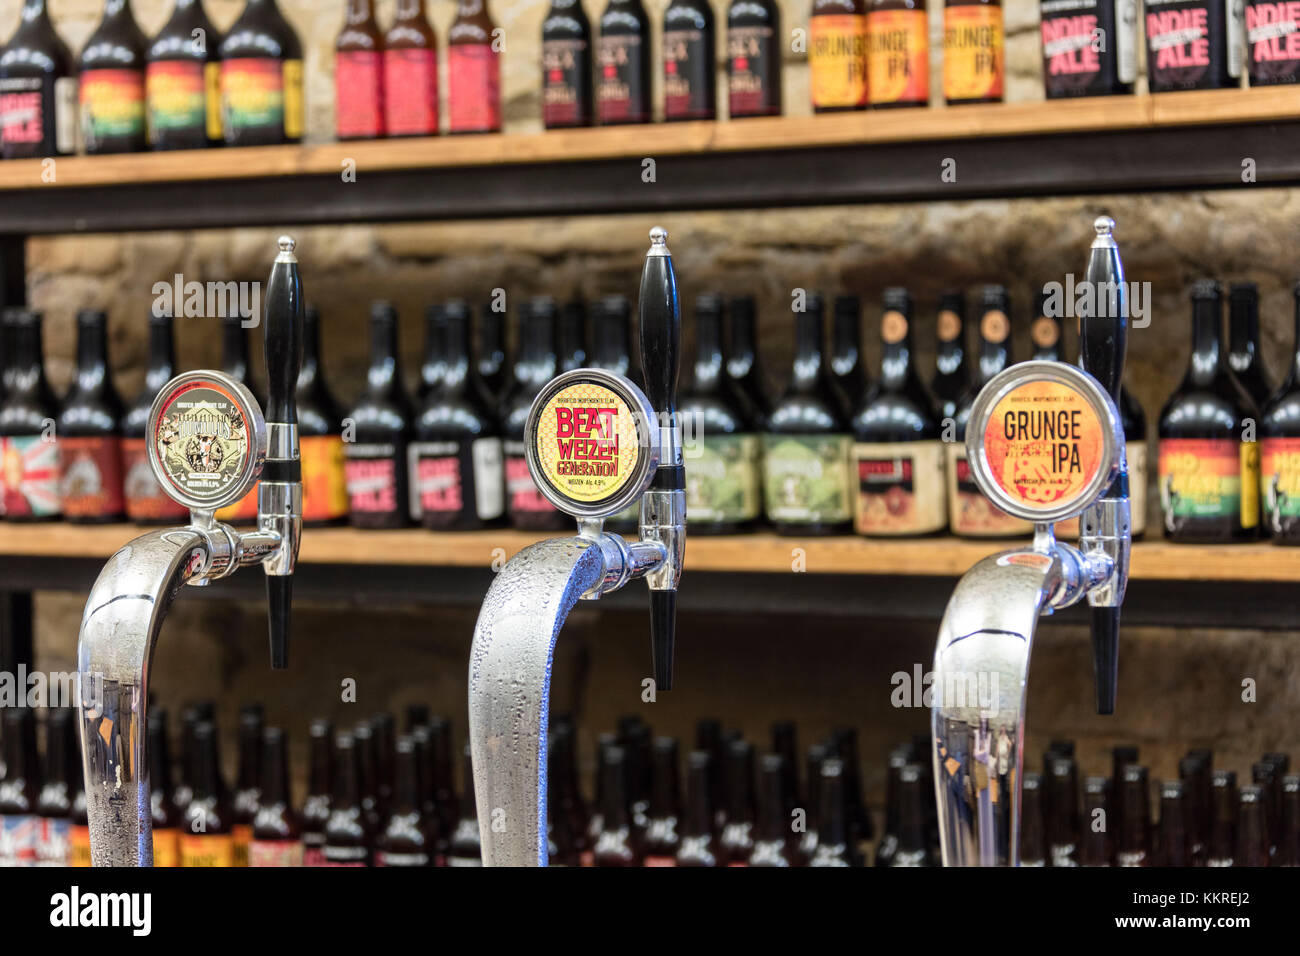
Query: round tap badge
[592,452]
[207,439]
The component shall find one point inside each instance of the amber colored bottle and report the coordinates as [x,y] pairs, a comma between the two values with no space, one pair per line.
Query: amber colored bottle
[898,54]
[974,64]
[359,74]
[206,838]
[473,70]
[261,79]
[277,832]
[162,798]
[1174,839]
[1063,811]
[623,64]
[406,839]
[1033,841]
[567,96]
[1288,852]
[690,77]
[183,81]
[1279,437]
[347,834]
[145,501]
[754,58]
[29,445]
[1223,818]
[320,786]
[89,430]
[410,66]
[111,83]
[248,788]
[38,89]
[837,55]
[1194,772]
[1252,827]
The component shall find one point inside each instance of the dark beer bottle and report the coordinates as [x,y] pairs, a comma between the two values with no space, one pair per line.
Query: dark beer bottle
[490,360]
[1096,845]
[612,324]
[372,809]
[636,740]
[145,501]
[1033,841]
[623,64]
[899,758]
[89,429]
[771,847]
[1252,827]
[466,847]
[898,54]
[55,801]
[192,715]
[898,457]
[28,436]
[832,824]
[837,55]
[1174,842]
[162,802]
[807,480]
[1288,853]
[261,79]
[698,847]
[410,83]
[248,786]
[571,336]
[951,371]
[183,81]
[38,89]
[347,832]
[1134,421]
[1063,817]
[754,58]
[785,744]
[566,66]
[433,370]
[235,363]
[473,70]
[1243,343]
[320,436]
[618,843]
[19,824]
[456,472]
[662,840]
[447,809]
[743,368]
[1279,435]
[974,66]
[567,815]
[320,786]
[534,367]
[1089,48]
[708,737]
[359,74]
[848,374]
[376,458]
[736,841]
[1193,45]
[277,832]
[724,484]
[1120,758]
[1209,476]
[913,829]
[844,745]
[597,821]
[405,839]
[1194,772]
[111,83]
[1268,778]
[384,727]
[205,838]
[1273,55]
[690,78]
[1223,822]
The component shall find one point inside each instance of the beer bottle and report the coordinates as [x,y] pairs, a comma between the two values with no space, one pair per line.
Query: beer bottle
[444,787]
[612,321]
[913,832]
[723,488]
[466,847]
[951,372]
[79,828]
[38,89]
[1209,476]
[183,81]
[698,847]
[111,90]
[743,368]
[162,802]
[1194,772]
[1096,845]
[736,841]
[1252,827]
[618,843]
[410,82]
[261,79]
[359,74]
[1089,47]
[567,817]
[690,77]
[277,838]
[193,713]
[566,66]
[899,758]
[770,846]
[571,336]
[1223,823]
[1288,853]
[145,501]
[1269,779]
[785,745]
[491,355]
[19,824]
[754,58]
[847,372]
[534,367]
[661,837]
[384,728]
[898,456]
[89,429]
[1174,849]
[316,808]
[375,461]
[807,843]
[423,744]
[28,445]
[1273,54]
[807,485]
[433,370]
[1063,817]
[363,735]
[1134,422]
[235,363]
[320,436]
[1193,45]
[637,742]
[973,61]
[970,514]
[1279,431]
[708,737]
[623,64]
[597,821]
[456,472]
[837,55]
[1033,843]
[206,838]
[1243,343]
[473,70]
[55,800]
[347,832]
[898,54]
[844,745]
[248,788]
[832,829]
[1120,757]
[405,839]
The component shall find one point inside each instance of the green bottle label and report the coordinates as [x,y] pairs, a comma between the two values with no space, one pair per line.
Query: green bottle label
[723,477]
[807,478]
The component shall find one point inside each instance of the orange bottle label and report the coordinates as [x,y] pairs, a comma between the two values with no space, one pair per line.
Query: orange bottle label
[837,58]
[78,845]
[201,849]
[973,64]
[324,486]
[242,835]
[167,847]
[898,60]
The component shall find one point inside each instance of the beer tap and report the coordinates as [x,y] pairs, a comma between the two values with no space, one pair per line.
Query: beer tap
[1044,444]
[208,443]
[595,444]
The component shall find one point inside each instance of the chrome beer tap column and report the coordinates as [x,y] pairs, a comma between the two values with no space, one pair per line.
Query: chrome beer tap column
[595,445]
[1044,443]
[208,445]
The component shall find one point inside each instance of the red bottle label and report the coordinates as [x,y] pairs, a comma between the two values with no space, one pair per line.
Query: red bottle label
[384,858]
[275,853]
[1273,32]
[359,94]
[688,72]
[145,500]
[411,92]
[22,111]
[522,495]
[566,83]
[749,67]
[29,476]
[313,855]
[473,88]
[621,95]
[91,482]
[1186,44]
[371,472]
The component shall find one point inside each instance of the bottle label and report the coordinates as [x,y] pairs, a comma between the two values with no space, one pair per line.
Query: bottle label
[201,849]
[723,479]
[1137,485]
[898,61]
[276,853]
[620,95]
[1273,32]
[659,861]
[291,78]
[252,95]
[18,836]
[176,94]
[1185,44]
[473,88]
[372,478]
[344,855]
[359,94]
[972,52]
[37,118]
[324,484]
[1209,478]
[806,479]
[145,499]
[522,496]
[1076,44]
[78,845]
[688,75]
[384,858]
[91,482]
[901,488]
[456,482]
[112,105]
[313,855]
[970,513]
[464,861]
[1280,482]
[837,59]
[566,83]
[750,72]
[241,835]
[411,92]
[52,842]
[29,476]
[167,847]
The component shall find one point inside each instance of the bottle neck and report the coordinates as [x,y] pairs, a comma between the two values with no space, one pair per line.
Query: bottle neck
[536,365]
[456,355]
[741,354]
[772,824]
[1206,341]
[275,777]
[411,10]
[162,355]
[25,366]
[1295,342]
[846,334]
[831,828]
[234,351]
[807,371]
[207,775]
[20,749]
[610,349]
[663,795]
[896,361]
[994,357]
[911,817]
[358,13]
[347,785]
[406,783]
[950,355]
[34,10]
[92,357]
[1243,334]
[320,766]
[250,757]
[382,374]
[709,358]
[310,371]
[614,795]
[699,809]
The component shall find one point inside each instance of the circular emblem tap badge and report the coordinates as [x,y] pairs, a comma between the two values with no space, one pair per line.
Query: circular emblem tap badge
[201,438]
[587,442]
